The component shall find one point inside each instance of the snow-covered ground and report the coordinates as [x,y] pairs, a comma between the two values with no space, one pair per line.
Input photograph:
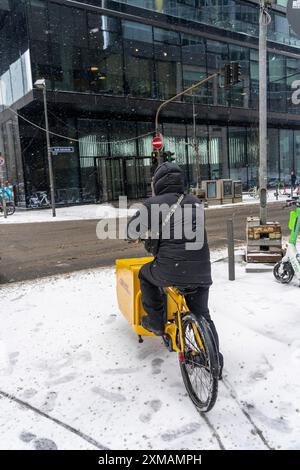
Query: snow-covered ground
[86,212]
[67,351]
[100,211]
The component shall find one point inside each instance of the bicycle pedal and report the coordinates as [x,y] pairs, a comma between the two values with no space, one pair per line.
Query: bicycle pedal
[168,342]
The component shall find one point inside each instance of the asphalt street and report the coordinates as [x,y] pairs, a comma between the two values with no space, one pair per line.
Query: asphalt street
[34,250]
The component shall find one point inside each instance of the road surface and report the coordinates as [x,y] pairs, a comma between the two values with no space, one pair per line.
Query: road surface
[33,250]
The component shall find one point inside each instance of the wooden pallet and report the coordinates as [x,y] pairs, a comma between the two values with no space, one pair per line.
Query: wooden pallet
[264,242]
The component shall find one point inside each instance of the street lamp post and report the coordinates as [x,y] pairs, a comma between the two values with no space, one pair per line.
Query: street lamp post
[264,20]
[42,85]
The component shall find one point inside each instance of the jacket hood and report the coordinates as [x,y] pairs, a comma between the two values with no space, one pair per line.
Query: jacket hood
[168,178]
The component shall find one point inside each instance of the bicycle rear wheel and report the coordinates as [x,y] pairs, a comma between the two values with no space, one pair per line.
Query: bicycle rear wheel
[199,364]
[11,209]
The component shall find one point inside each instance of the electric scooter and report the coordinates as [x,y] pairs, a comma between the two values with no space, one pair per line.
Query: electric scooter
[289,266]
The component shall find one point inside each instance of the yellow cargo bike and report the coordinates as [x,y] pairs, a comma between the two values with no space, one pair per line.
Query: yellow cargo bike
[185,334]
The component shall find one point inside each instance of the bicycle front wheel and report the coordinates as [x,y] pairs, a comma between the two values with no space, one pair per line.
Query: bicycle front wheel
[199,364]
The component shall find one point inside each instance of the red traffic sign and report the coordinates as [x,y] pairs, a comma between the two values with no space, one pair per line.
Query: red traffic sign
[157,142]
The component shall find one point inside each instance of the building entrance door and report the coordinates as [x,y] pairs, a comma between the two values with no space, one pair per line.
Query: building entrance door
[123,176]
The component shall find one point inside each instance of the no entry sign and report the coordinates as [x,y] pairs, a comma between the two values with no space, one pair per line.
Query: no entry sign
[157,142]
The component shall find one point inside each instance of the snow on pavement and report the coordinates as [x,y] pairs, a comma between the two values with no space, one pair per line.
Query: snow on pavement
[86,212]
[66,350]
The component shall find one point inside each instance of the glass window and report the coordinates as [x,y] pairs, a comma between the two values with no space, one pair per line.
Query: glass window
[168,70]
[252,155]
[218,158]
[237,138]
[175,141]
[277,82]
[254,78]
[145,143]
[17,79]
[92,133]
[194,66]
[166,36]
[119,131]
[297,154]
[137,31]
[286,154]
[15,67]
[62,41]
[239,93]
[39,37]
[197,140]
[6,96]
[233,15]
[139,75]
[292,74]
[217,56]
[273,156]
[105,69]
[139,66]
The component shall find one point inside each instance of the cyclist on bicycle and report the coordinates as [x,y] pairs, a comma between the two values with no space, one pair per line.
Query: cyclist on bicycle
[173,265]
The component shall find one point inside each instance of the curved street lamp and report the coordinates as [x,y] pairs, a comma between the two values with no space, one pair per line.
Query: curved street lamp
[41,84]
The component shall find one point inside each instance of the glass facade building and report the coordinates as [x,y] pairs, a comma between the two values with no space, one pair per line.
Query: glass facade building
[108,65]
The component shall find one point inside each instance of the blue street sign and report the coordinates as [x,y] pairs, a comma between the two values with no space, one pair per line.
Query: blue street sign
[57,150]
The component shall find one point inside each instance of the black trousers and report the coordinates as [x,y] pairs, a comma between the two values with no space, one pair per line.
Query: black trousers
[153,299]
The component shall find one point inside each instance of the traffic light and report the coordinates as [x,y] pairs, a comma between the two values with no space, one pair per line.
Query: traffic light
[154,158]
[236,73]
[228,78]
[168,156]
[154,161]
[232,74]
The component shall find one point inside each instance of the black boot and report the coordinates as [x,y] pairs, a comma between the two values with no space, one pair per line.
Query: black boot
[155,325]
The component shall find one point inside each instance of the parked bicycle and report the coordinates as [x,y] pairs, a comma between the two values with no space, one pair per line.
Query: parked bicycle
[255,193]
[39,199]
[185,334]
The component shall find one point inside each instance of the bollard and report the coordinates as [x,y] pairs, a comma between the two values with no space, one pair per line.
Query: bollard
[230,242]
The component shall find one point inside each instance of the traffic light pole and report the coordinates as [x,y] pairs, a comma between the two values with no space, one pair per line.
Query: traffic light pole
[165,103]
[263,26]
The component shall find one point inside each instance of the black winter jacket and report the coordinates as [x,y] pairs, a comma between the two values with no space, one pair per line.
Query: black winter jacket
[174,264]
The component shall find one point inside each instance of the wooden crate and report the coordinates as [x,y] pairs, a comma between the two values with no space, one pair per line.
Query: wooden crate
[264,242]
[263,257]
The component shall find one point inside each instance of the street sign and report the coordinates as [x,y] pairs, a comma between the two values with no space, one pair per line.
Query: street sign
[2,161]
[293,15]
[56,150]
[157,142]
